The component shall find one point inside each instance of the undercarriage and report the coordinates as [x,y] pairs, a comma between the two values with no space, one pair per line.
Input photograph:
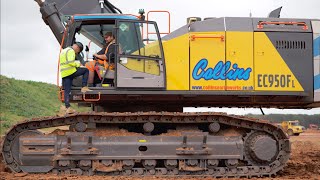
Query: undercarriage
[148,143]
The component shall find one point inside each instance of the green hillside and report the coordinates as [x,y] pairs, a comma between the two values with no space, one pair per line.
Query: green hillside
[26,99]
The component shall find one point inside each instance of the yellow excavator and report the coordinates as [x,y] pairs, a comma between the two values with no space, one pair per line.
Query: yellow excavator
[137,126]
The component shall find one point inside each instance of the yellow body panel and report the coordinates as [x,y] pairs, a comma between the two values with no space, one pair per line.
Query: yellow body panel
[177,62]
[151,49]
[152,67]
[240,51]
[134,64]
[271,71]
[205,54]
[252,63]
[145,65]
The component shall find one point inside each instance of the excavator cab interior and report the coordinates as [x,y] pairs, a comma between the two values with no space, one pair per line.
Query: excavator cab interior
[91,35]
[138,59]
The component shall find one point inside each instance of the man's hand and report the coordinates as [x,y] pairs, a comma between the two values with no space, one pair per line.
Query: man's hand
[95,56]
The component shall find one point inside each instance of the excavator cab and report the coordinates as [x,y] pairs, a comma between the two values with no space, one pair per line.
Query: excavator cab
[138,62]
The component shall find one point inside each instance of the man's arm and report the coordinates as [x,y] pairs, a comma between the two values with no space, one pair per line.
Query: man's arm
[102,56]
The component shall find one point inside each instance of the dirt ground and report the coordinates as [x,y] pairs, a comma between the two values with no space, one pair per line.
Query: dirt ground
[303,164]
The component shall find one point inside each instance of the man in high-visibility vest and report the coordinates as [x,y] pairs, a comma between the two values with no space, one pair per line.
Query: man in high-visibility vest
[70,69]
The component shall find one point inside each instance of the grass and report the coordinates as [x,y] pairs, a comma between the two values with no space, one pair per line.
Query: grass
[21,99]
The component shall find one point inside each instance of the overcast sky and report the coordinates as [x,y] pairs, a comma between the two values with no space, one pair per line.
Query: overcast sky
[29,50]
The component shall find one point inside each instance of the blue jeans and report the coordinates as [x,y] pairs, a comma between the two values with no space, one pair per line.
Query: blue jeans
[67,83]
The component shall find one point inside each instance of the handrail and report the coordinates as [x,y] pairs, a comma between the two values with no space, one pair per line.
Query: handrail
[261,23]
[60,92]
[169,27]
[61,45]
[193,37]
[91,100]
[61,95]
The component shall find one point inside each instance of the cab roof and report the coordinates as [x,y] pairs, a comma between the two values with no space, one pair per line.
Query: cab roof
[103,17]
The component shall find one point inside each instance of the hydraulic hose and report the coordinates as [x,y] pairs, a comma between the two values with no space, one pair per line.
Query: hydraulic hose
[112,7]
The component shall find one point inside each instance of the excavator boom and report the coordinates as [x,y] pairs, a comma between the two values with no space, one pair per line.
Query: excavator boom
[54,12]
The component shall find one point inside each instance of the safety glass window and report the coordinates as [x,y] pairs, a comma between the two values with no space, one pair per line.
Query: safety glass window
[134,40]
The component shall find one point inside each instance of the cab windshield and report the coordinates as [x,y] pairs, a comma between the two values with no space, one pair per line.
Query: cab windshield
[134,40]
[295,124]
[92,36]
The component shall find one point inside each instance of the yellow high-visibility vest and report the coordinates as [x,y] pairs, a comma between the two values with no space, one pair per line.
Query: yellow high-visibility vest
[67,62]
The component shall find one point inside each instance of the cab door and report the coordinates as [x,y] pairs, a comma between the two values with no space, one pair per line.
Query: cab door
[140,62]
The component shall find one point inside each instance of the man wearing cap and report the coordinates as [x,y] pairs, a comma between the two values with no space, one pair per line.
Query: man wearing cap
[70,69]
[108,50]
[102,57]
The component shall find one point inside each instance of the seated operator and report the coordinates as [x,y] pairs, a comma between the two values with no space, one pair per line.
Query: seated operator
[70,69]
[108,51]
[102,57]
